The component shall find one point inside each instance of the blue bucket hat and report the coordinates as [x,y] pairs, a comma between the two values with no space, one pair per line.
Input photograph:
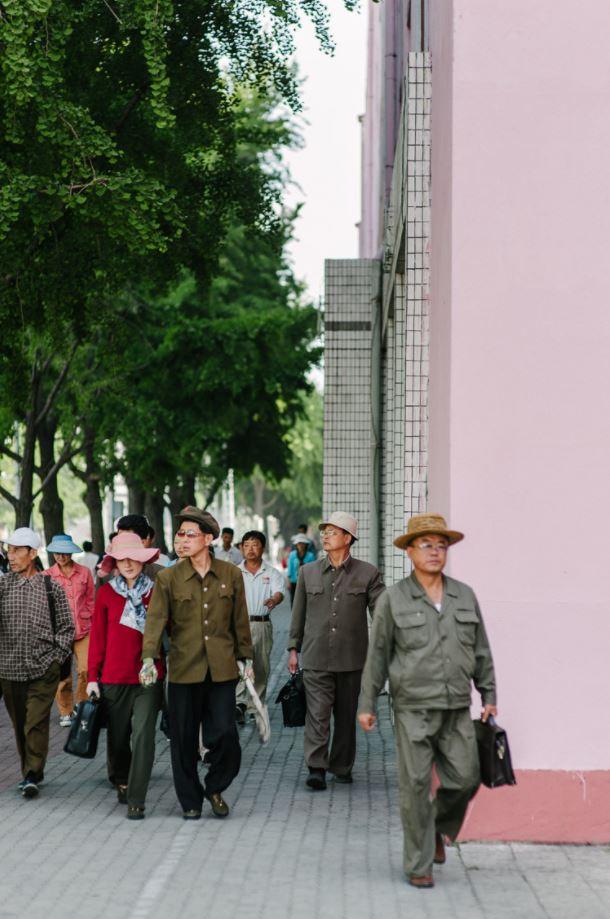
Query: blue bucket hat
[62,542]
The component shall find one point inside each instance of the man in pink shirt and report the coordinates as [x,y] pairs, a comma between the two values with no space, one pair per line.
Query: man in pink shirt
[77,583]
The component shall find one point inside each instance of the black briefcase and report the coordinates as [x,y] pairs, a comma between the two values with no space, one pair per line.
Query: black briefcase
[494,754]
[85,729]
[294,703]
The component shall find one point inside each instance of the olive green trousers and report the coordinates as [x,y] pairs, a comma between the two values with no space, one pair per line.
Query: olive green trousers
[132,720]
[445,740]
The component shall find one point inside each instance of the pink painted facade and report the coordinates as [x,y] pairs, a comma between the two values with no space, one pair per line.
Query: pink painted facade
[518,441]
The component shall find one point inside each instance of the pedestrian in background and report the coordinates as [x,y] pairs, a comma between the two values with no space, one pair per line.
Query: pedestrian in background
[31,652]
[301,554]
[202,602]
[330,626]
[264,587]
[115,656]
[138,524]
[89,558]
[77,583]
[428,637]
[226,552]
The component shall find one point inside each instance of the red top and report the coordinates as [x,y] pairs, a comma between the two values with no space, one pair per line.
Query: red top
[115,650]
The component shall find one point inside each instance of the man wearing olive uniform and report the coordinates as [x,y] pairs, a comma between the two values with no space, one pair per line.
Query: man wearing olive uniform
[202,602]
[428,637]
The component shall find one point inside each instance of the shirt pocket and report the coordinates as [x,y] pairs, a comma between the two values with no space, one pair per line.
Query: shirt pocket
[413,630]
[466,622]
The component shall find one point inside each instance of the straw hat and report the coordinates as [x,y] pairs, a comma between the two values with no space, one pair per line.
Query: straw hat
[427,525]
[126,545]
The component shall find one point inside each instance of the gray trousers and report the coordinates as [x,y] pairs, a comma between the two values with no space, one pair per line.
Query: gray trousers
[262,643]
[337,694]
[445,739]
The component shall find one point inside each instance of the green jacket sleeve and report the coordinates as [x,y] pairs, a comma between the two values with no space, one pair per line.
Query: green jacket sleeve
[377,665]
[241,621]
[299,607]
[376,588]
[484,676]
[157,616]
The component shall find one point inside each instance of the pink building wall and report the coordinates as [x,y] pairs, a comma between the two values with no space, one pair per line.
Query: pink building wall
[520,376]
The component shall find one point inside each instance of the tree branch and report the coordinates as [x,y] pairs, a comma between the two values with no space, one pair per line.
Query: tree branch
[135,100]
[57,386]
[65,456]
[9,497]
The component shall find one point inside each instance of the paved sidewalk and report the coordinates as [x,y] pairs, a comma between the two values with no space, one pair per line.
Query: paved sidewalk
[284,853]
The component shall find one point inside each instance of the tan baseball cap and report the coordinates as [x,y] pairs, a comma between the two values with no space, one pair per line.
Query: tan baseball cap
[343,521]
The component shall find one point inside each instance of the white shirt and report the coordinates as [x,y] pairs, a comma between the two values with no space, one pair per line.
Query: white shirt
[261,586]
[89,559]
[228,555]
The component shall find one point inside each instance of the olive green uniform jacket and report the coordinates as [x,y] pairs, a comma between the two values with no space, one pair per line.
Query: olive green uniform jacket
[206,618]
[431,658]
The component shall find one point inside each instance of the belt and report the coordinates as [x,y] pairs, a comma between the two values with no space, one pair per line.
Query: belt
[259,618]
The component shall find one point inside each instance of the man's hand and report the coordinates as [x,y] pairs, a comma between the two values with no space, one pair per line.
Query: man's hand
[246,671]
[293,661]
[93,689]
[148,673]
[487,711]
[367,722]
[273,601]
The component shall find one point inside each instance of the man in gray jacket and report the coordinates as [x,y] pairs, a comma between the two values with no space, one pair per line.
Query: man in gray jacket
[428,637]
[330,627]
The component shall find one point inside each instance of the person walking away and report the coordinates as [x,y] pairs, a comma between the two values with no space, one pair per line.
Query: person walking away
[428,636]
[202,600]
[32,649]
[301,554]
[77,583]
[115,654]
[330,626]
[264,587]
[227,552]
[89,558]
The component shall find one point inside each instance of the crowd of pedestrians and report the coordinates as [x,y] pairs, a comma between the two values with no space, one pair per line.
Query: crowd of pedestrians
[146,633]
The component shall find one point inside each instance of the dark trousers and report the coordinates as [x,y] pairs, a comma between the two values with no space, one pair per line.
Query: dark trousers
[132,719]
[336,694]
[29,703]
[190,705]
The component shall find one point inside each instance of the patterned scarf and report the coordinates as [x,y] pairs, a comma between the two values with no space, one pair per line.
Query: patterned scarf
[134,613]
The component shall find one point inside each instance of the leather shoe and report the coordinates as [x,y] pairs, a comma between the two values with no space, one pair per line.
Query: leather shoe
[439,850]
[121,793]
[220,808]
[134,812]
[345,779]
[316,780]
[421,881]
[191,815]
[240,713]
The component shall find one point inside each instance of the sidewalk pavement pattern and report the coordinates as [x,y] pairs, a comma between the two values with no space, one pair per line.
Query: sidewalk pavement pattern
[284,852]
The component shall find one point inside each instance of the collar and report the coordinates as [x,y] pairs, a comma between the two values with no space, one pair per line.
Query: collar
[264,566]
[188,571]
[418,591]
[345,565]
[55,571]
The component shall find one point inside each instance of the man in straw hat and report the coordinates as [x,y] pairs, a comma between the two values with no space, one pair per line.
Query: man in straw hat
[428,636]
[330,627]
[203,602]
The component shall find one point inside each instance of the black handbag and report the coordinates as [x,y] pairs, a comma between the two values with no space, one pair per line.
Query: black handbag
[494,754]
[65,668]
[85,728]
[294,702]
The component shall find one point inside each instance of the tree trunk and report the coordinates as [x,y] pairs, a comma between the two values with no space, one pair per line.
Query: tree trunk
[51,505]
[154,506]
[25,501]
[92,496]
[135,498]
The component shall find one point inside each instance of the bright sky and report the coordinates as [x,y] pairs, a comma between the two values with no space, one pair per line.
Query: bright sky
[327,169]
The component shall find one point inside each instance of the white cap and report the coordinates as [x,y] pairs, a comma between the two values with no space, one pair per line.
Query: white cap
[300,537]
[343,521]
[24,536]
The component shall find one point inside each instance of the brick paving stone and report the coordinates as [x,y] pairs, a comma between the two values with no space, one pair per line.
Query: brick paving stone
[284,853]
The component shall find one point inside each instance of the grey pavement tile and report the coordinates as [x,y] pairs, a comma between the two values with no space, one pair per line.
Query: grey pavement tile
[284,853]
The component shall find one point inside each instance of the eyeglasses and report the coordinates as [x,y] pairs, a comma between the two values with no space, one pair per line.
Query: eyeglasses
[330,533]
[188,534]
[431,547]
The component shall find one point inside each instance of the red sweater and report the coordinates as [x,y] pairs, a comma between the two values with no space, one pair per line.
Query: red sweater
[115,650]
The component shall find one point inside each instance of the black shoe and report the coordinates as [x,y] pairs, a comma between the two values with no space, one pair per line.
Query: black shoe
[317,779]
[29,789]
[240,713]
[345,779]
[191,815]
[220,808]
[121,793]
[134,812]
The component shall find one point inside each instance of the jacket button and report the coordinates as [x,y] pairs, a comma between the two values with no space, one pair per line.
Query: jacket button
[206,622]
[205,605]
[206,637]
